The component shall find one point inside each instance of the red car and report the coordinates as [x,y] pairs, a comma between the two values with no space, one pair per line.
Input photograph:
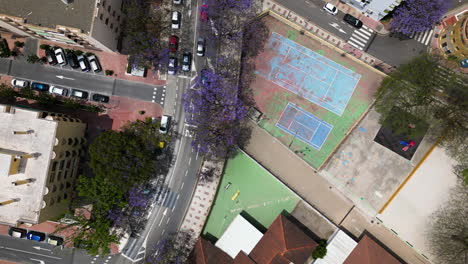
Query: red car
[203,12]
[173,43]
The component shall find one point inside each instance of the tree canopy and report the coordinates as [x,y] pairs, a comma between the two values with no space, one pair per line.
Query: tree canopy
[448,232]
[173,249]
[427,90]
[413,16]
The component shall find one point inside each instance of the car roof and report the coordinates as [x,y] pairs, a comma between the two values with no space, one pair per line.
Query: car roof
[330,6]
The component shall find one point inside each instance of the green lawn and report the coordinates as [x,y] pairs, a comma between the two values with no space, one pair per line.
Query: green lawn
[261,196]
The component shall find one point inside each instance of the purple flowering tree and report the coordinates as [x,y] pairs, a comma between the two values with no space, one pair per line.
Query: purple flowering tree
[217,111]
[173,249]
[414,16]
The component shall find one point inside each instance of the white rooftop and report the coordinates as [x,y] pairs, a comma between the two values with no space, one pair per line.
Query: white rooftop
[338,249]
[240,235]
[40,141]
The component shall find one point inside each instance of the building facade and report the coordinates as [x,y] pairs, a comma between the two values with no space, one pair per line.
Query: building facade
[453,39]
[39,159]
[92,24]
[375,9]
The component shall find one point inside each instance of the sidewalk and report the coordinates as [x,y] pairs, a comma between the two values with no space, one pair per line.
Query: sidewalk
[202,199]
[294,20]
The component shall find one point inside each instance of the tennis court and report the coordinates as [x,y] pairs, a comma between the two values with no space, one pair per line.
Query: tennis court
[311,75]
[304,125]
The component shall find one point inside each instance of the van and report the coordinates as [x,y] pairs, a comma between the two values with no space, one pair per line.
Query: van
[165,124]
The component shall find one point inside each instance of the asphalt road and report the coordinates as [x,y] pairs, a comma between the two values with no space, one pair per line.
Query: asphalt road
[79,80]
[388,49]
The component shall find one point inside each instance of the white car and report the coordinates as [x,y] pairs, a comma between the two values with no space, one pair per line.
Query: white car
[60,55]
[19,83]
[177,2]
[165,124]
[175,20]
[200,47]
[58,90]
[330,9]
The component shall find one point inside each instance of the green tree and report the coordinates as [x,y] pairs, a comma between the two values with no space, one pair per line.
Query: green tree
[7,93]
[427,90]
[33,58]
[321,250]
[448,232]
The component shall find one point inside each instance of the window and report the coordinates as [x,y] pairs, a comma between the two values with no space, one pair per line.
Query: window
[113,13]
[62,162]
[101,16]
[51,176]
[104,3]
[65,196]
[112,26]
[54,165]
[59,176]
[69,163]
[65,174]
[68,185]
[107,21]
[118,18]
[51,201]
[108,8]
[116,29]
[54,188]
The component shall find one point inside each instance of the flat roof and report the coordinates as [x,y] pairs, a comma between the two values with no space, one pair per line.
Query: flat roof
[40,141]
[239,236]
[338,249]
[50,13]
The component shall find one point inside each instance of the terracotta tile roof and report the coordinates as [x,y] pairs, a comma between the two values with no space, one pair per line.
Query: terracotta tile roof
[368,251]
[242,258]
[283,241]
[206,253]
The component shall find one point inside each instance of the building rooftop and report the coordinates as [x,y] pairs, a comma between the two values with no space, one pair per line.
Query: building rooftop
[240,236]
[339,248]
[38,140]
[50,13]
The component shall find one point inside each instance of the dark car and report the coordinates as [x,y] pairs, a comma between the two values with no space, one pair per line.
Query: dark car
[100,98]
[79,94]
[84,63]
[17,232]
[352,21]
[72,60]
[186,61]
[50,55]
[36,236]
[173,43]
[41,87]
[172,66]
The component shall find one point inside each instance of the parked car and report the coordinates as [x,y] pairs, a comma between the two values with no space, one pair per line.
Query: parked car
[201,47]
[173,43]
[352,21]
[172,66]
[165,124]
[176,17]
[41,87]
[100,98]
[60,55]
[36,236]
[17,232]
[79,94]
[186,61]
[50,55]
[330,9]
[204,78]
[94,63]
[19,83]
[54,240]
[204,12]
[58,90]
[72,60]
[84,63]
[177,2]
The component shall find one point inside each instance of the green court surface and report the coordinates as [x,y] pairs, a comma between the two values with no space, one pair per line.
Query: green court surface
[261,196]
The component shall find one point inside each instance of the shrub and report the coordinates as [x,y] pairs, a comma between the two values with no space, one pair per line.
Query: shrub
[43,59]
[19,44]
[44,46]
[89,54]
[14,52]
[141,112]
[109,72]
[321,250]
[78,52]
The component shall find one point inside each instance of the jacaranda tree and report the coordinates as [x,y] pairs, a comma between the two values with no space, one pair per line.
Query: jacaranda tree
[414,16]
[218,113]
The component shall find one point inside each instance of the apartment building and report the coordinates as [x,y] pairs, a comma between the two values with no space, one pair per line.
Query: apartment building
[376,9]
[453,38]
[39,158]
[92,24]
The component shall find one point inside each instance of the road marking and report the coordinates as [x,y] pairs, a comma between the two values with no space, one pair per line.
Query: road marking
[63,77]
[164,230]
[165,212]
[186,172]
[40,261]
[182,186]
[161,221]
[196,157]
[29,252]
[39,248]
[167,222]
[190,160]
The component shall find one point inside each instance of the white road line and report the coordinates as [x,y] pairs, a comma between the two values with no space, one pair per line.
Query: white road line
[182,186]
[29,252]
[360,38]
[167,222]
[190,160]
[164,230]
[356,46]
[364,26]
[429,38]
[359,33]
[161,221]
[368,33]
[186,172]
[196,157]
[357,41]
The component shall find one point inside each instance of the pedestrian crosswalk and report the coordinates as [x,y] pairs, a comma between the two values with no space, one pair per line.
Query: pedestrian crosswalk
[423,37]
[361,37]
[170,199]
